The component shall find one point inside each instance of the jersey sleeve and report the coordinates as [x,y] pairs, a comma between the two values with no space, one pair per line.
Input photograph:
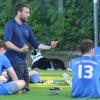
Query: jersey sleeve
[6,63]
[32,40]
[8,31]
[70,64]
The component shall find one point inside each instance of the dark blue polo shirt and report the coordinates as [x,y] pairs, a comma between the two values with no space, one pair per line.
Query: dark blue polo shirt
[19,35]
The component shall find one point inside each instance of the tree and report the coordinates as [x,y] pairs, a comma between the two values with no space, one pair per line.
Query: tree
[67,21]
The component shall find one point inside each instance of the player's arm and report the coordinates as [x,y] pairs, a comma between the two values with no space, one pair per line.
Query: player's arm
[48,47]
[8,33]
[34,42]
[11,46]
[3,79]
[7,66]
[44,47]
[12,74]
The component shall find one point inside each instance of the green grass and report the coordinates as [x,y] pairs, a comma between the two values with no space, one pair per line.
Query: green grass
[41,91]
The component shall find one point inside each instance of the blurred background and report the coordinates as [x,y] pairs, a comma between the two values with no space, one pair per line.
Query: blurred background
[67,21]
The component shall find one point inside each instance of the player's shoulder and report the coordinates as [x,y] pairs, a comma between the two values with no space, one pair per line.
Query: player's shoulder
[97,58]
[10,23]
[96,48]
[97,51]
[76,59]
[2,57]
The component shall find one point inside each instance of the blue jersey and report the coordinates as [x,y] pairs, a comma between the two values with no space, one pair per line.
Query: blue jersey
[97,52]
[85,77]
[4,63]
[19,35]
[6,88]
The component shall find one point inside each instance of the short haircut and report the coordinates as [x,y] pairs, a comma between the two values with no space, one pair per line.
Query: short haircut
[1,44]
[85,46]
[19,7]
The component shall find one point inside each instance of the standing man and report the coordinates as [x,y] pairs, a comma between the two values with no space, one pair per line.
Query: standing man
[86,73]
[8,88]
[17,35]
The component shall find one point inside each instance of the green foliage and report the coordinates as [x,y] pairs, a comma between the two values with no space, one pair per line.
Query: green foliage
[78,22]
[67,21]
[1,34]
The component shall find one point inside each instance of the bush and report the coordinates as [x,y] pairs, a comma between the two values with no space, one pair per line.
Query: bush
[67,21]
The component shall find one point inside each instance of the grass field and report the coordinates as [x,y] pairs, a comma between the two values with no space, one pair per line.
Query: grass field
[42,92]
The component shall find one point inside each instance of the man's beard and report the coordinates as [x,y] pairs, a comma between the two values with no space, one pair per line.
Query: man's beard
[23,20]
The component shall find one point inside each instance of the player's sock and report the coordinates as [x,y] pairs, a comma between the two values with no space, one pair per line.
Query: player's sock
[67,79]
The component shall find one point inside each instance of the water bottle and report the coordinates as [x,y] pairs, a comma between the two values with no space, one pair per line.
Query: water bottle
[56,82]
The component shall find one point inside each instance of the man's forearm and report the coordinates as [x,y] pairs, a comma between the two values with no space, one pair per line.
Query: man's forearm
[44,47]
[11,46]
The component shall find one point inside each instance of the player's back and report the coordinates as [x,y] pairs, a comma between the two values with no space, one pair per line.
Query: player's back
[85,81]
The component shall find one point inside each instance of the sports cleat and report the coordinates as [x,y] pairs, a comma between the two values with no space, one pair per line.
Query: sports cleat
[67,79]
[25,89]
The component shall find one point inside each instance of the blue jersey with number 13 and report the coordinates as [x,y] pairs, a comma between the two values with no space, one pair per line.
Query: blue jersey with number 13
[85,77]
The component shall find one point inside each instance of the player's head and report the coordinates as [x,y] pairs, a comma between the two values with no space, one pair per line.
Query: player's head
[2,47]
[86,46]
[22,11]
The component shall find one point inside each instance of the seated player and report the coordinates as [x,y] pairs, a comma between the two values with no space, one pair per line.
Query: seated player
[85,73]
[15,85]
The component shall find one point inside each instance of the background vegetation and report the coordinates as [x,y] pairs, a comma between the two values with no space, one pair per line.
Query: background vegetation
[67,21]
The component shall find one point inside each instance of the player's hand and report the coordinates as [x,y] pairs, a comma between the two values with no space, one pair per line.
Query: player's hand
[54,44]
[3,79]
[2,51]
[24,49]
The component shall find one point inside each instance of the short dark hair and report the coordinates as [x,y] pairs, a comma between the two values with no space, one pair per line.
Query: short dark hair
[85,46]
[1,44]
[19,7]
